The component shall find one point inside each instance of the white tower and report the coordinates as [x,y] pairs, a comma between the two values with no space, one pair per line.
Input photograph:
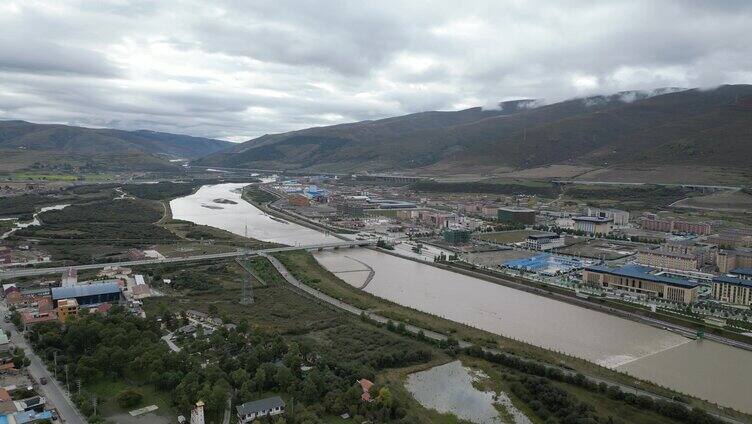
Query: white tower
[197,413]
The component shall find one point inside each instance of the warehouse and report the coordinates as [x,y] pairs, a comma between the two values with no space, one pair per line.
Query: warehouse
[88,294]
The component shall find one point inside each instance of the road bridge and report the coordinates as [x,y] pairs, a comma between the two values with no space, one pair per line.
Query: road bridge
[9,273]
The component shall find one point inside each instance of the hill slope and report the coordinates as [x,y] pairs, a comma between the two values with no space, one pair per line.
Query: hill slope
[709,127]
[137,149]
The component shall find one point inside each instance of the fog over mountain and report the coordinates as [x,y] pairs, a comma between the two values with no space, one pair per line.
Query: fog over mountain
[238,70]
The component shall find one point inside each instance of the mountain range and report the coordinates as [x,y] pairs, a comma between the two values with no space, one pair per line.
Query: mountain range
[662,127]
[25,141]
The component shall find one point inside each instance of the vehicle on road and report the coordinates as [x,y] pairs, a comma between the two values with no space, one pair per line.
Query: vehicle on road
[43,380]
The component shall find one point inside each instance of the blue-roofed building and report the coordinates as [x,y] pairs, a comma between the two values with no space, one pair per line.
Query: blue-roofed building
[732,289]
[642,281]
[88,294]
[29,417]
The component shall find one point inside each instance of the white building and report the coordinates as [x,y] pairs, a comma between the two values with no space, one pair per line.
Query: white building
[249,411]
[620,218]
[593,225]
[544,241]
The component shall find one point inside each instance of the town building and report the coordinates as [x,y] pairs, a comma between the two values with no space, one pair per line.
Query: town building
[516,215]
[732,289]
[743,273]
[67,308]
[652,223]
[727,260]
[88,294]
[665,259]
[705,252]
[489,211]
[32,318]
[643,281]
[456,235]
[593,225]
[250,411]
[365,385]
[620,218]
[544,241]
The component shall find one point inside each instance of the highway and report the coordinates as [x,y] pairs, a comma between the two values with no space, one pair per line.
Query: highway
[9,273]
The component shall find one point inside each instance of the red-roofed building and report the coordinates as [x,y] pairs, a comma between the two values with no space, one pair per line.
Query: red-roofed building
[29,319]
[4,395]
[366,386]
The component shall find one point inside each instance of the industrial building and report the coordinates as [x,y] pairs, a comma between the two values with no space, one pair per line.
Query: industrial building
[641,280]
[516,215]
[87,294]
[544,241]
[619,217]
[593,225]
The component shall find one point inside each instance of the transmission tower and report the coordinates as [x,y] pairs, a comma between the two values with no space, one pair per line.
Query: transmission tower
[246,298]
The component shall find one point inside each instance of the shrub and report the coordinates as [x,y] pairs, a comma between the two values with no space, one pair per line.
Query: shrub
[128,398]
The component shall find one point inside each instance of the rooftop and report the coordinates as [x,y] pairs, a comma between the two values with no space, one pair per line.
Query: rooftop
[542,235]
[732,280]
[515,209]
[644,273]
[85,290]
[742,271]
[260,405]
[596,219]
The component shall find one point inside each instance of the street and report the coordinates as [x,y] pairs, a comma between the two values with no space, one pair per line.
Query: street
[52,390]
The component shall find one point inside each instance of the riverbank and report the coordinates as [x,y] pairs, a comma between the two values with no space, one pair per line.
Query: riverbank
[634,314]
[297,270]
[558,326]
[657,320]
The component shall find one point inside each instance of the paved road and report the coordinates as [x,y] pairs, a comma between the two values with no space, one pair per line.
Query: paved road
[439,337]
[170,343]
[52,390]
[26,272]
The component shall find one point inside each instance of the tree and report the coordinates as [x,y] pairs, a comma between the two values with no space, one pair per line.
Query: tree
[213,309]
[385,398]
[284,378]
[128,398]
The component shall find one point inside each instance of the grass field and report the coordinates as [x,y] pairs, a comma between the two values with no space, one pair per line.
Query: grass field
[6,224]
[107,390]
[504,237]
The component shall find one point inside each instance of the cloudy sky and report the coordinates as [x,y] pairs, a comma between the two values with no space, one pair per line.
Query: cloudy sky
[238,69]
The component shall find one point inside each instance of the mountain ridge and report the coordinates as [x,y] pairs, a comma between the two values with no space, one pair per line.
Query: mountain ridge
[664,126]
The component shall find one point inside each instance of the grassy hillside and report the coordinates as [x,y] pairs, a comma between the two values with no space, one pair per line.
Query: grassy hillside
[57,145]
[708,127]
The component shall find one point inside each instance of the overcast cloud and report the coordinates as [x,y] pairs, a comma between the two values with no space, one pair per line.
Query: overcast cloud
[239,69]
